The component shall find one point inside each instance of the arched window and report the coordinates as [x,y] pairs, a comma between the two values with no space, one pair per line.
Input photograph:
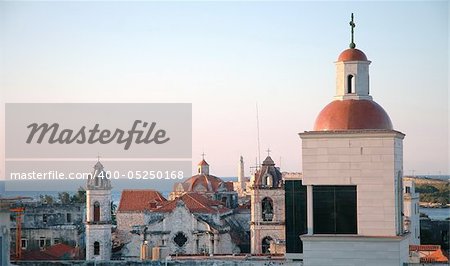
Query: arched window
[224,200]
[269,180]
[96,211]
[265,245]
[96,248]
[350,84]
[267,209]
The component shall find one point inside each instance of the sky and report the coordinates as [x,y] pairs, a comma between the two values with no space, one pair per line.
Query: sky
[227,57]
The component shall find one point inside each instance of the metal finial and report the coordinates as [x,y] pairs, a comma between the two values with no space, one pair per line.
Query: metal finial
[352,25]
[268,152]
[203,156]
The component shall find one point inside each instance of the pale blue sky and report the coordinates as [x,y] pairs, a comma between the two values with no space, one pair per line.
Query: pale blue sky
[225,56]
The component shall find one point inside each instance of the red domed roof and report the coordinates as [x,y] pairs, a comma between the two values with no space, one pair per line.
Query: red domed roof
[352,114]
[352,55]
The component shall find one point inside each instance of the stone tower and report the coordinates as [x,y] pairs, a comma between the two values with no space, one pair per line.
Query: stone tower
[267,227]
[98,215]
[241,177]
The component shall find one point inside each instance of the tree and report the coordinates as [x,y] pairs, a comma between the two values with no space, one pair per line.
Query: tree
[64,197]
[46,199]
[79,196]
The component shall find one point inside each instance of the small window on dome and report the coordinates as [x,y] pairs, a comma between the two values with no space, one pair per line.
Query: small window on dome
[350,84]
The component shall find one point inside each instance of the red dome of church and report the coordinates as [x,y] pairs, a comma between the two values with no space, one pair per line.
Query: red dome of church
[352,114]
[352,54]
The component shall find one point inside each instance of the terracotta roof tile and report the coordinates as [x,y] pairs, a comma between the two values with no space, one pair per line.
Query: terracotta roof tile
[203,162]
[60,250]
[435,256]
[139,200]
[55,252]
[424,247]
[435,253]
[37,255]
[196,203]
[352,55]
[352,114]
[209,182]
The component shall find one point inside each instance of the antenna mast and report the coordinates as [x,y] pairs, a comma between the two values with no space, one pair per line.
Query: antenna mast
[257,129]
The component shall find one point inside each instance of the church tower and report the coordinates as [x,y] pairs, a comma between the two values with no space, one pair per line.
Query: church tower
[267,226]
[353,169]
[98,215]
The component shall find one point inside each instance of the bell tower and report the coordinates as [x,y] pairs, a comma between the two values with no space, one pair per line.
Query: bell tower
[352,73]
[98,215]
[267,226]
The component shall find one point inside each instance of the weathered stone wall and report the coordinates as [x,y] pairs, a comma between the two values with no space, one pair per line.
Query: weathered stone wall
[260,229]
[39,215]
[52,223]
[102,234]
[126,220]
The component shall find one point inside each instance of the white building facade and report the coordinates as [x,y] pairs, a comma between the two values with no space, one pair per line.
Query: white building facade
[411,211]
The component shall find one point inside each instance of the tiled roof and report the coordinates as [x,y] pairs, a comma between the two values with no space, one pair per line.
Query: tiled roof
[436,256]
[435,253]
[229,185]
[203,162]
[60,250]
[36,255]
[424,247]
[196,203]
[210,183]
[138,200]
[55,252]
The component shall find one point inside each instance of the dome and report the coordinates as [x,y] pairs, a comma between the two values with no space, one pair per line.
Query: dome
[352,55]
[352,114]
[204,183]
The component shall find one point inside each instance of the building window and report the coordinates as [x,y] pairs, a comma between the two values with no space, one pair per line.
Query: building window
[408,189]
[44,218]
[350,84]
[24,243]
[180,239]
[69,217]
[96,248]
[56,241]
[334,210]
[265,245]
[224,201]
[296,212]
[41,242]
[96,211]
[267,209]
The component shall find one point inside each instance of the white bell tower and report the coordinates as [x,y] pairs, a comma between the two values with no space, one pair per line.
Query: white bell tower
[98,215]
[352,73]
